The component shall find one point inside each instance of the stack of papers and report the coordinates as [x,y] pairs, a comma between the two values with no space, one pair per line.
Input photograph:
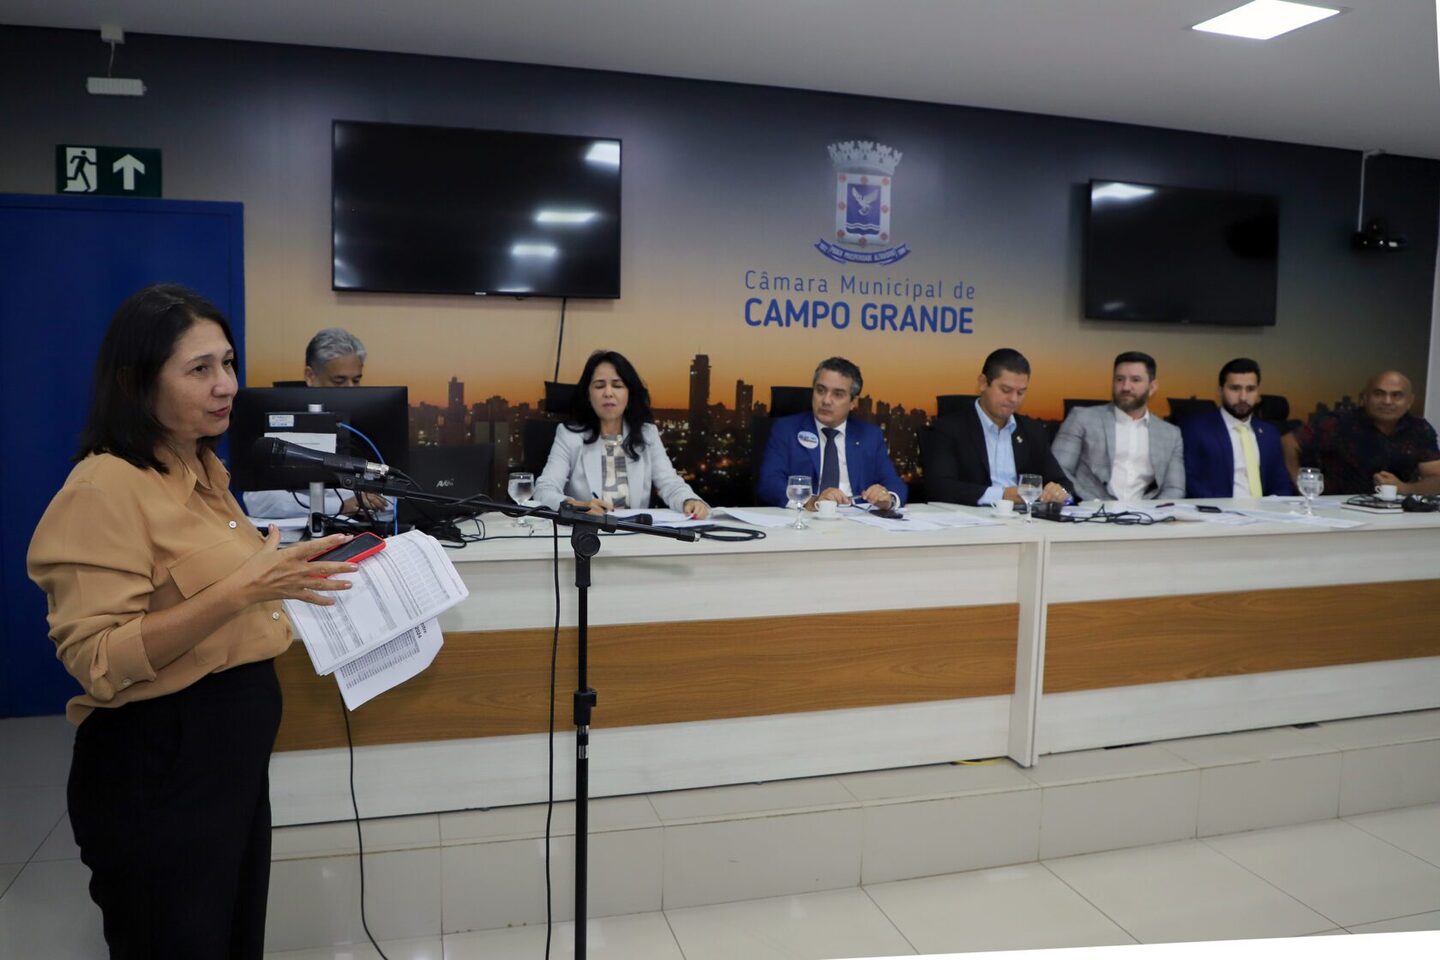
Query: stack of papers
[756,517]
[383,630]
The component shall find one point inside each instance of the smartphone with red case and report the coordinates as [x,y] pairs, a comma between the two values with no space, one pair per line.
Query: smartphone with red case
[364,545]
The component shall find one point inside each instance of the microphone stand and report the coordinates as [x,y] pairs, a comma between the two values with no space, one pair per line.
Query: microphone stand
[585,529]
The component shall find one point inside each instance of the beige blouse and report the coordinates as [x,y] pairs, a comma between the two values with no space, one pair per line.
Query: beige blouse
[118,542]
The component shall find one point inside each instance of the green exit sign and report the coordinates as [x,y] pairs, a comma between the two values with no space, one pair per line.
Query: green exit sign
[111,171]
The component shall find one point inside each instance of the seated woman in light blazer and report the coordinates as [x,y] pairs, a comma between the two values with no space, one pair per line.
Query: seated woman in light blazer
[607,455]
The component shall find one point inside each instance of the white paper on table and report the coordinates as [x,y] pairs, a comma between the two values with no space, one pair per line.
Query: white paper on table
[389,665]
[910,523]
[1226,518]
[950,521]
[1274,516]
[409,582]
[753,517]
[662,518]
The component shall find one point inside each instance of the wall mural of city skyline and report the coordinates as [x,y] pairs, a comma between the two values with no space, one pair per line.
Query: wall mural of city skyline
[735,244]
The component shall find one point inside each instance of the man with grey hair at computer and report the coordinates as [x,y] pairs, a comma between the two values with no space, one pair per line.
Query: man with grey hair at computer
[333,358]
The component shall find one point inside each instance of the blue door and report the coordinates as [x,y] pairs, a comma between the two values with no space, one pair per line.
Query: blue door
[66,263]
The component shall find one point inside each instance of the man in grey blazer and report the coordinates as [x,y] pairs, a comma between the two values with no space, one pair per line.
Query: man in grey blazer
[1119,451]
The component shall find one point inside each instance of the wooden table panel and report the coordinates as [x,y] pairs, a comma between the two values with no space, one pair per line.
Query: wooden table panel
[1113,643]
[494,683]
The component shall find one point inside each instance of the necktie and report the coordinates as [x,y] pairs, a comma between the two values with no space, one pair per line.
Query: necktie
[1252,458]
[830,463]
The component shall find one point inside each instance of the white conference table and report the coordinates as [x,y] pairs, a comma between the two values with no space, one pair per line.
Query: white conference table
[842,648]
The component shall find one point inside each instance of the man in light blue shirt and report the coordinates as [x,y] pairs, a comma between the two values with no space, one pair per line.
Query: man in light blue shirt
[975,457]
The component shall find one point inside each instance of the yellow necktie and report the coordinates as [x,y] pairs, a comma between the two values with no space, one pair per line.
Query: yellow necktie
[1252,458]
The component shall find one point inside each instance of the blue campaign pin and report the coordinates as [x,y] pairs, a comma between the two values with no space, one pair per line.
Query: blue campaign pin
[807,439]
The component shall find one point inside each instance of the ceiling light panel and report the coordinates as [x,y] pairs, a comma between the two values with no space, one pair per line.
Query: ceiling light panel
[1265,19]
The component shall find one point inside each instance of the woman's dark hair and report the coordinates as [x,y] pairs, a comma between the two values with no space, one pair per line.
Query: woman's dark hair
[141,337]
[584,419]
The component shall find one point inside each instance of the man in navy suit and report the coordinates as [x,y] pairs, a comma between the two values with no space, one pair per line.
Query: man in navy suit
[1230,452]
[845,459]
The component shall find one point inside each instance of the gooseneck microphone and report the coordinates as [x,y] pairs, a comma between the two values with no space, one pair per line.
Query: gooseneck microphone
[280,453]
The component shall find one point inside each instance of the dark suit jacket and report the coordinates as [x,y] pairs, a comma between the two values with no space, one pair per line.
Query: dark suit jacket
[866,459]
[1210,463]
[956,462]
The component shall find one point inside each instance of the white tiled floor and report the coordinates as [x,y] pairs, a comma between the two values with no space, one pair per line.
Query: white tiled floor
[1367,873]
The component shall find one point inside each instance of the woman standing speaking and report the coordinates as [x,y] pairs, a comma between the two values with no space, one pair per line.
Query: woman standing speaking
[164,605]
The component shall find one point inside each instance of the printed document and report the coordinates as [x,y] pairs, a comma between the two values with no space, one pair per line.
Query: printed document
[408,583]
[389,665]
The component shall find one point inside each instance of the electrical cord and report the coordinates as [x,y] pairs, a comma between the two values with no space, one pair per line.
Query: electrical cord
[1132,518]
[724,534]
[560,344]
[550,764]
[359,838]
[378,459]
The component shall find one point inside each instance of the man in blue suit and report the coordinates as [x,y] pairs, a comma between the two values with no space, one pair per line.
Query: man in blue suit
[845,459]
[1230,452]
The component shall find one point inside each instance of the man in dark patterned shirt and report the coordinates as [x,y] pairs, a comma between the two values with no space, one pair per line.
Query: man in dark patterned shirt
[1378,443]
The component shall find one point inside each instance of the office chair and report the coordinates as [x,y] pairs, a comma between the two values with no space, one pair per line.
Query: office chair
[949,403]
[1182,408]
[787,400]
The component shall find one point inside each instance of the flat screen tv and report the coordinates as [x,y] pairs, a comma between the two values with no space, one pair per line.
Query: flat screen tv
[1179,255]
[453,211]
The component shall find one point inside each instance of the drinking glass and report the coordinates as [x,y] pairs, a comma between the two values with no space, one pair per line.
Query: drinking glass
[520,487]
[1029,489]
[1311,483]
[797,490]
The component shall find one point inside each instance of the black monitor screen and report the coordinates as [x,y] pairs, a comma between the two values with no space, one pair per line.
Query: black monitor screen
[1178,255]
[446,210]
[380,413]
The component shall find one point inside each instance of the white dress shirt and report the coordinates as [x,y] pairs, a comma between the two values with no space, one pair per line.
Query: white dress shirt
[1131,473]
[1241,483]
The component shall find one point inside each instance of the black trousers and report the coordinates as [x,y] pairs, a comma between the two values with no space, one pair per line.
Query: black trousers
[170,802]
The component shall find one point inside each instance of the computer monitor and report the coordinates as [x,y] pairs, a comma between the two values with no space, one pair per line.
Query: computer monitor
[380,413]
[450,471]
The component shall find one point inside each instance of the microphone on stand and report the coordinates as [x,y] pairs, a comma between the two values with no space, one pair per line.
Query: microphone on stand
[281,453]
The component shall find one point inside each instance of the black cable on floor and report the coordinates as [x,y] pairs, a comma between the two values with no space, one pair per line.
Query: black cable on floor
[359,840]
